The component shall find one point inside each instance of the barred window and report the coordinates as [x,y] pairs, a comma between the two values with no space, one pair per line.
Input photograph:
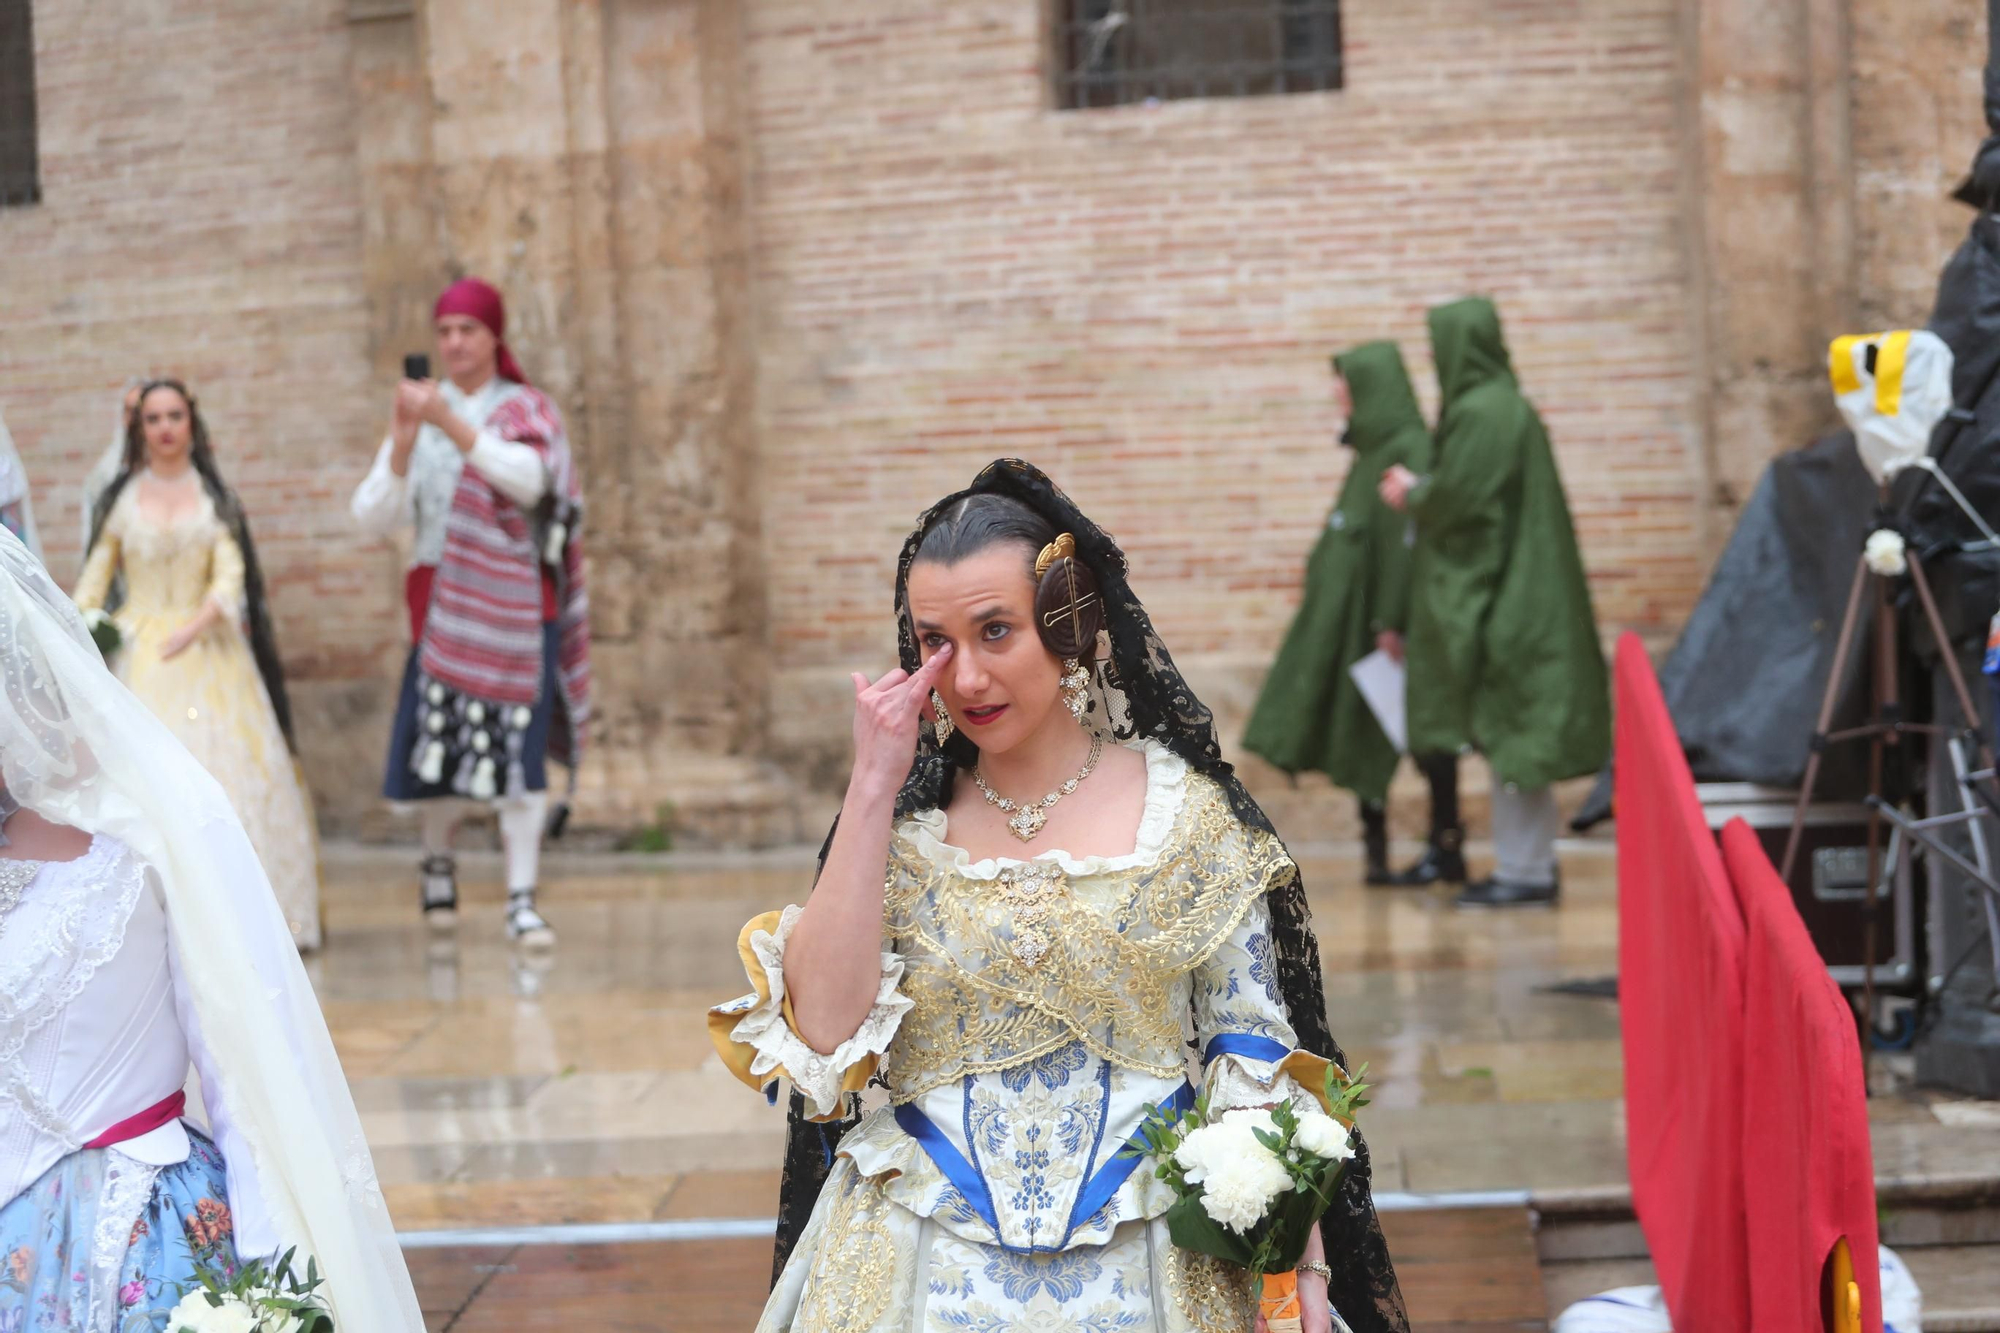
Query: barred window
[20,176]
[1114,52]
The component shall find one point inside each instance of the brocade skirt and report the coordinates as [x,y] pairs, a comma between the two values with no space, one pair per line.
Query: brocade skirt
[102,1243]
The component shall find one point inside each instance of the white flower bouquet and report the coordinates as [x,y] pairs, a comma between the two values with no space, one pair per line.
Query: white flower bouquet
[104,632]
[254,1299]
[1253,1182]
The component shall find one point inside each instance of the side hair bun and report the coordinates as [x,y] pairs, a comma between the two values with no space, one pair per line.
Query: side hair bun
[1069,610]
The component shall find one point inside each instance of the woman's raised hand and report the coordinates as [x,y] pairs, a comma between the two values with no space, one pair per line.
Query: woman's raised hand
[886,717]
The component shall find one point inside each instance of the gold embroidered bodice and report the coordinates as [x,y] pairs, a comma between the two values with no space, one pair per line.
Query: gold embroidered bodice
[1005,970]
[170,565]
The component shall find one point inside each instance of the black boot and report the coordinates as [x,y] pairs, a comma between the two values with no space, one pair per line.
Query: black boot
[1443,862]
[1375,842]
[1497,892]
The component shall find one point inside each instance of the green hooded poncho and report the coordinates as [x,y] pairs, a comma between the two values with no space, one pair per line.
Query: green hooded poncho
[1311,715]
[1503,649]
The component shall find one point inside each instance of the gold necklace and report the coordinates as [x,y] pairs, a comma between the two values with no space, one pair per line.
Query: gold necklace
[1029,819]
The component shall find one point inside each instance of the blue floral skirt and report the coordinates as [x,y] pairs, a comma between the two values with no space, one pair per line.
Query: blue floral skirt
[104,1244]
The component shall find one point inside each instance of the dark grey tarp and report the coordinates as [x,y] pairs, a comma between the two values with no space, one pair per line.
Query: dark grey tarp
[1745,679]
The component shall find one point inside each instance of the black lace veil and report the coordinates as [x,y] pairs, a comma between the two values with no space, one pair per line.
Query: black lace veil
[1143,696]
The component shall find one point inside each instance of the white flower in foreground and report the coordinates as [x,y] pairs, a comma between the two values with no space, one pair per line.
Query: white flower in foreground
[1886,554]
[1324,1137]
[195,1315]
[1239,1189]
[1239,1176]
[1256,1117]
[1200,1148]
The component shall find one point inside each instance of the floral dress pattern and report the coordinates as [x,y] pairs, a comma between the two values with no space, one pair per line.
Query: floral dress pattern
[1029,1012]
[105,1244]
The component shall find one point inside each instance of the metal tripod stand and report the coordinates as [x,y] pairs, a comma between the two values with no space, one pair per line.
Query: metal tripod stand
[1979,790]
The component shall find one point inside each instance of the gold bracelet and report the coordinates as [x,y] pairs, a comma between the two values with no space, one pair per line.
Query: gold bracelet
[1324,1270]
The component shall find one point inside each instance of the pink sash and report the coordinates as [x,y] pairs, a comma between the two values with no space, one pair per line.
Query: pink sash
[145,1122]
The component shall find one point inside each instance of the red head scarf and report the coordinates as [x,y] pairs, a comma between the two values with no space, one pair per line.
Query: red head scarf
[481,300]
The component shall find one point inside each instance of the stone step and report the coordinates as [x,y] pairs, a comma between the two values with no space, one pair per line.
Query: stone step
[1960,1284]
[1582,1225]
[1946,1230]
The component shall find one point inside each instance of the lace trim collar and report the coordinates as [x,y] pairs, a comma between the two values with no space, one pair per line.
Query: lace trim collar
[1166,792]
[18,873]
[99,848]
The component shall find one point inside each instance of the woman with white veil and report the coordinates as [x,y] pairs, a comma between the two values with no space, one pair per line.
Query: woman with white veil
[138,934]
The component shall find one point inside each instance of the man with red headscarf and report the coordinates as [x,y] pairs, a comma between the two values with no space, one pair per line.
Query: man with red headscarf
[498,679]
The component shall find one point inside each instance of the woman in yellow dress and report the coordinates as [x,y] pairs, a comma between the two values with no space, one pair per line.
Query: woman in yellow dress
[173,542]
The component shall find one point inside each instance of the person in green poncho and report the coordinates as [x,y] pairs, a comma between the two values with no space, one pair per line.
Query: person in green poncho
[1503,649]
[1311,715]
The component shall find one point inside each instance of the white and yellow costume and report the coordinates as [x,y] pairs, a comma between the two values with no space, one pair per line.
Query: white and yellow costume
[1029,1014]
[210,695]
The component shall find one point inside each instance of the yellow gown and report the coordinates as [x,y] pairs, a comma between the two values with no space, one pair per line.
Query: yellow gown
[210,694]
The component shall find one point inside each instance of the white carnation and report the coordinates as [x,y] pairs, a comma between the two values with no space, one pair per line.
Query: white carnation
[1239,1189]
[1254,1117]
[1324,1137]
[1198,1150]
[1239,1176]
[195,1315]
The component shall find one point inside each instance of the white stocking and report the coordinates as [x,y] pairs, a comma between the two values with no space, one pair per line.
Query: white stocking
[521,821]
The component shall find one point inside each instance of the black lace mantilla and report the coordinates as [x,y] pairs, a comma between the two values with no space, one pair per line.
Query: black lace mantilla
[1145,696]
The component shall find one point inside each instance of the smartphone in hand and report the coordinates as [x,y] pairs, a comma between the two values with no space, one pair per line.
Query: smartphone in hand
[416,366]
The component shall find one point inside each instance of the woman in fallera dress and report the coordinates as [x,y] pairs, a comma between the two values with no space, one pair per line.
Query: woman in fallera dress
[196,642]
[1044,885]
[140,943]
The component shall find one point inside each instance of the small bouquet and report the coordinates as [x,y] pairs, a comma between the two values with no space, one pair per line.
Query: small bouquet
[254,1299]
[1253,1182]
[103,632]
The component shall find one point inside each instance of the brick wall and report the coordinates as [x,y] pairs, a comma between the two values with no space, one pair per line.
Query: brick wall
[200,218]
[1916,122]
[920,266]
[1142,300]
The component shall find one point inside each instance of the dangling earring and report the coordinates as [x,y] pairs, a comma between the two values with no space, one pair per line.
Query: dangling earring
[1076,689]
[943,718]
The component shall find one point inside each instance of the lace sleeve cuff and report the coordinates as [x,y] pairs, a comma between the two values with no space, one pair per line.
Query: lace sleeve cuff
[1255,1071]
[760,1044]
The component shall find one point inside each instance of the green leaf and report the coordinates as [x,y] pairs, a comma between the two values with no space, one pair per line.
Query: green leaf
[1191,1228]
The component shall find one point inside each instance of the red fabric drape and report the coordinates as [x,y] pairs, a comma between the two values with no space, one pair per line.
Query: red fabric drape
[1680,1001]
[1811,1171]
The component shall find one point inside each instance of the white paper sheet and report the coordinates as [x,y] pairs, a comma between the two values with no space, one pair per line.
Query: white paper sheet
[1381,680]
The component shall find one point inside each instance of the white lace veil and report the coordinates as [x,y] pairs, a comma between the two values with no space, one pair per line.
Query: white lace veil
[77,747]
